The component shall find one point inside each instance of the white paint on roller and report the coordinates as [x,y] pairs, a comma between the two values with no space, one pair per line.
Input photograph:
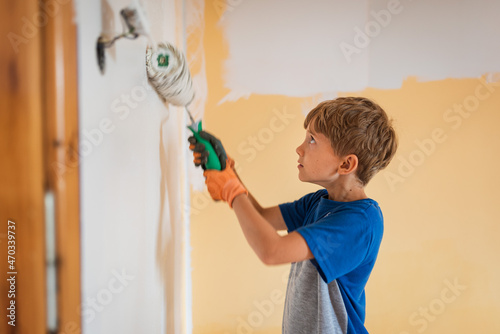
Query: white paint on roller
[172,80]
[298,48]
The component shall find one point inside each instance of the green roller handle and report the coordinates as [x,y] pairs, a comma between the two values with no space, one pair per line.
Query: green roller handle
[212,159]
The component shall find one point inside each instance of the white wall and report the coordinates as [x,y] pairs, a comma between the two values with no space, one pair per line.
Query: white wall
[304,48]
[133,182]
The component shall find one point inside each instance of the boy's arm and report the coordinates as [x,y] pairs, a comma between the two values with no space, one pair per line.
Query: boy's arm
[271,214]
[259,224]
[270,247]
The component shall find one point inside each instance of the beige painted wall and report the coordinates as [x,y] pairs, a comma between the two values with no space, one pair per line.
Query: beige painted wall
[437,270]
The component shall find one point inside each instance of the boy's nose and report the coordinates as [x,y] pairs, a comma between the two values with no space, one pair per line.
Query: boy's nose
[299,150]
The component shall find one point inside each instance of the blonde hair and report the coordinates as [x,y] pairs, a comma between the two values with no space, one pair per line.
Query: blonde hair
[356,125]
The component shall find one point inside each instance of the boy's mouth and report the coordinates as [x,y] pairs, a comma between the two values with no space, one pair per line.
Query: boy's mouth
[300,165]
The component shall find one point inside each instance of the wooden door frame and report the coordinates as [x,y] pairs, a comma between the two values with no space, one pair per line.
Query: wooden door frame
[39,153]
[62,159]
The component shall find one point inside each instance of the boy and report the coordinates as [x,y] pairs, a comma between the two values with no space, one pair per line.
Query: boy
[333,234]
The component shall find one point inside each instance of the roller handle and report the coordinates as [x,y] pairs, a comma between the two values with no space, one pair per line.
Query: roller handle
[212,159]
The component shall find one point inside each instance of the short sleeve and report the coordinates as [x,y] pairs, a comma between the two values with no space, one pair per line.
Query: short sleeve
[295,213]
[339,243]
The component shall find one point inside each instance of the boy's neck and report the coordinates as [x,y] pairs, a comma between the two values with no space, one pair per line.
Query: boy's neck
[346,190]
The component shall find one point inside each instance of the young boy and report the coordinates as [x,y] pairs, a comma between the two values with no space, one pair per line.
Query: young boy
[334,234]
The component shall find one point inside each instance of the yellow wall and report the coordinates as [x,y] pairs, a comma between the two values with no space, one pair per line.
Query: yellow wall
[438,197]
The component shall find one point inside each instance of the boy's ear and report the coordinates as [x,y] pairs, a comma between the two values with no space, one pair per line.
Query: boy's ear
[349,164]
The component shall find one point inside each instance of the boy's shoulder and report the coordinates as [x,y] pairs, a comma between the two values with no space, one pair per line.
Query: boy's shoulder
[315,196]
[318,201]
[320,198]
[316,208]
[360,210]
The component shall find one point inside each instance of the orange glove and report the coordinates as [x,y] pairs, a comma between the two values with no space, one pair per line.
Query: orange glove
[224,185]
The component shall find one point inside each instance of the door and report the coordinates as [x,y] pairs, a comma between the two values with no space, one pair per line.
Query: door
[39,161]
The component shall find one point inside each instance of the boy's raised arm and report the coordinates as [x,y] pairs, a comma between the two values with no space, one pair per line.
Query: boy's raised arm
[270,247]
[261,235]
[271,214]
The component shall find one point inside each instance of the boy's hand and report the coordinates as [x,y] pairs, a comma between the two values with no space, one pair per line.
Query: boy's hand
[224,185]
[201,154]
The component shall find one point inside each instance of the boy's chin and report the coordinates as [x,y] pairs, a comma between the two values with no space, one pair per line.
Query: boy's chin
[308,179]
[303,178]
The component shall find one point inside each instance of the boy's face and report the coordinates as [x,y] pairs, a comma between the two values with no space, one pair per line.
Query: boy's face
[318,163]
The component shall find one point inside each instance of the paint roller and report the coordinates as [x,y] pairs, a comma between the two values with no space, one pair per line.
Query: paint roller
[169,75]
[167,71]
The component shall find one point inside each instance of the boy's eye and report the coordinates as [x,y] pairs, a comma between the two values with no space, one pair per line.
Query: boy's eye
[312,141]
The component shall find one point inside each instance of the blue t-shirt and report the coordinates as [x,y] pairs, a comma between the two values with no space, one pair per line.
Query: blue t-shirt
[344,238]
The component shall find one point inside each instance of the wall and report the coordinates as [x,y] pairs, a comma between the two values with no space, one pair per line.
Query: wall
[434,69]
[133,177]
